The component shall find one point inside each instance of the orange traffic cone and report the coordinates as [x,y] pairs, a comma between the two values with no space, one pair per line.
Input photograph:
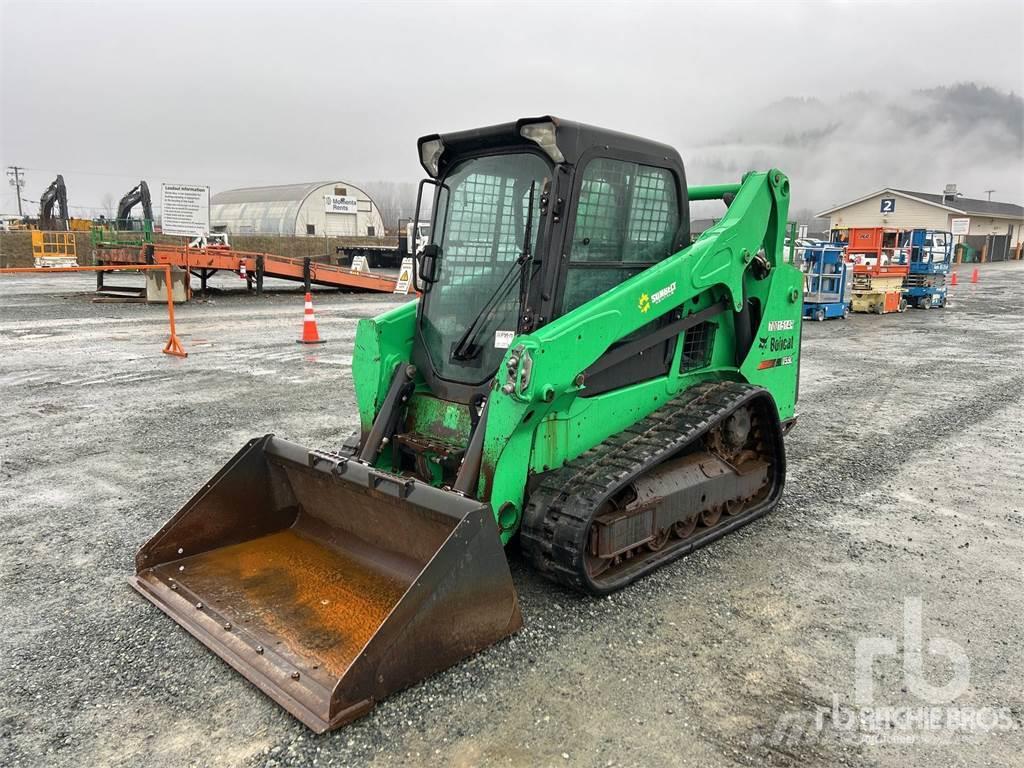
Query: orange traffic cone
[310,335]
[954,281]
[974,275]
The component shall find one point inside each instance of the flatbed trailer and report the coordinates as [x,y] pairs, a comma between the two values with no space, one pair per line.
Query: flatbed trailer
[410,241]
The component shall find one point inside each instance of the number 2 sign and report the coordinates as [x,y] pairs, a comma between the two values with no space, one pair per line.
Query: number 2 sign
[888,205]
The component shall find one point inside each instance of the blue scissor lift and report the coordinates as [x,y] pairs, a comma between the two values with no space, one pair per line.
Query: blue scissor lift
[827,282]
[931,259]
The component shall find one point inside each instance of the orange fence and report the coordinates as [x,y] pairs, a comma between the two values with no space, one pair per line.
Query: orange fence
[173,346]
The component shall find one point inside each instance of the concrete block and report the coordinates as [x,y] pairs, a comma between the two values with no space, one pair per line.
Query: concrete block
[156,288]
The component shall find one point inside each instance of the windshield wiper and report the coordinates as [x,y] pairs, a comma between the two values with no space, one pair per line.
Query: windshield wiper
[466,348]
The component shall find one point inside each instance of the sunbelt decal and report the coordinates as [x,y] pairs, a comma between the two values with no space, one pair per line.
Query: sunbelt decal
[655,298]
[664,293]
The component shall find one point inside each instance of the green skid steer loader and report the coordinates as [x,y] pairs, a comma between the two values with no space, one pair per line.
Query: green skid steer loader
[575,374]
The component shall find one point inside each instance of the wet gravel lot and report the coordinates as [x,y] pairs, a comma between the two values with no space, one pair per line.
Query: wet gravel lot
[905,499]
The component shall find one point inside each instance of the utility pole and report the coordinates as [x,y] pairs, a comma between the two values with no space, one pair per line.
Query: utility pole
[16,180]
[989,193]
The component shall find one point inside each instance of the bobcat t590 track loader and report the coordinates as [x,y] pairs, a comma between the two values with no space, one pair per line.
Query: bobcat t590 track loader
[575,374]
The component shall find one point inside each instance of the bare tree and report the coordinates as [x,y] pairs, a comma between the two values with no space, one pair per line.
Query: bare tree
[108,205]
[396,200]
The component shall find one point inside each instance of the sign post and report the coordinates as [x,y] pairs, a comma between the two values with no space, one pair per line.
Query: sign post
[959,226]
[404,277]
[185,210]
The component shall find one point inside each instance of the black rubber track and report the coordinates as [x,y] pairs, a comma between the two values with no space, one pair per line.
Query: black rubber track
[558,514]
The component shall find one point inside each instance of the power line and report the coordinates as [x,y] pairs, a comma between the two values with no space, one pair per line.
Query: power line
[92,208]
[176,174]
[86,173]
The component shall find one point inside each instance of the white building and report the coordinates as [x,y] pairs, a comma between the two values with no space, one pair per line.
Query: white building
[989,226]
[325,208]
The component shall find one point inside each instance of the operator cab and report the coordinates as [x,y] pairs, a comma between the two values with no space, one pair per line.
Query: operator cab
[530,221]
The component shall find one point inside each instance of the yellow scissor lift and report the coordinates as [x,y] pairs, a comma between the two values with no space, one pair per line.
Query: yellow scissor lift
[54,249]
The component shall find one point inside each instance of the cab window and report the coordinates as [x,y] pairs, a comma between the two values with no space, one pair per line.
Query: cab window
[626,220]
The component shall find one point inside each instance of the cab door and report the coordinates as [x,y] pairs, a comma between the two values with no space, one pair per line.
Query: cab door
[626,219]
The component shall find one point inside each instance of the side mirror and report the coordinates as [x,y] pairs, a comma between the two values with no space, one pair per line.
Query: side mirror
[427,263]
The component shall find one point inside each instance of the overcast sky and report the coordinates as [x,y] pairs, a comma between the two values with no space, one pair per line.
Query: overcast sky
[237,94]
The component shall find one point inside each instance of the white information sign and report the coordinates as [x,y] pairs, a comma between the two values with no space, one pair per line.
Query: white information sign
[340,204]
[404,277]
[359,264]
[959,226]
[185,210]
[503,339]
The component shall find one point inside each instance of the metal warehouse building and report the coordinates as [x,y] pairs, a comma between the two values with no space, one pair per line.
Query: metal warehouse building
[995,229]
[324,208]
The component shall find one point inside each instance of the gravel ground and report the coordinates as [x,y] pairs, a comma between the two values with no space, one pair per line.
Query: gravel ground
[906,484]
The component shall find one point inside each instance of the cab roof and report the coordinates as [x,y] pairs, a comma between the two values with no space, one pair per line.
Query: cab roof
[573,140]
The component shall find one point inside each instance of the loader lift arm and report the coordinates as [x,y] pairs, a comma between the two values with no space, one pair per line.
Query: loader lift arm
[546,371]
[717,270]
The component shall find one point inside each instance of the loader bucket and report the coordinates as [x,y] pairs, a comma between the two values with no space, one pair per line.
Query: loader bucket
[327,583]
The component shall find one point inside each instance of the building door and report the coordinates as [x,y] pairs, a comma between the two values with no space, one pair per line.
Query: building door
[341,224]
[997,246]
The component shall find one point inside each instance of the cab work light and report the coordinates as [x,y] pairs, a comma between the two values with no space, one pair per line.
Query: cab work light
[543,135]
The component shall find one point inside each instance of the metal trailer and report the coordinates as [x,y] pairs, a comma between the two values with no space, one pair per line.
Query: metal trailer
[385,255]
[827,282]
[931,259]
[880,268]
[253,267]
[124,239]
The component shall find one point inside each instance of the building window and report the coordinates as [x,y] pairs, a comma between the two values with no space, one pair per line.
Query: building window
[341,191]
[311,229]
[371,232]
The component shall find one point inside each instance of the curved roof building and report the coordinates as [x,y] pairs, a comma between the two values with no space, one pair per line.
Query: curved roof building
[324,208]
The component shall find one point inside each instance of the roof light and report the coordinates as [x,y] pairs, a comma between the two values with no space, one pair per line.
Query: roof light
[430,155]
[543,135]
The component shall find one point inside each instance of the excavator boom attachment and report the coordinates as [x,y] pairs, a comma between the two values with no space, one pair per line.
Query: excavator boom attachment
[330,584]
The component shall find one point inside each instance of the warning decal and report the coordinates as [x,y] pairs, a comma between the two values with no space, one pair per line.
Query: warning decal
[404,277]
